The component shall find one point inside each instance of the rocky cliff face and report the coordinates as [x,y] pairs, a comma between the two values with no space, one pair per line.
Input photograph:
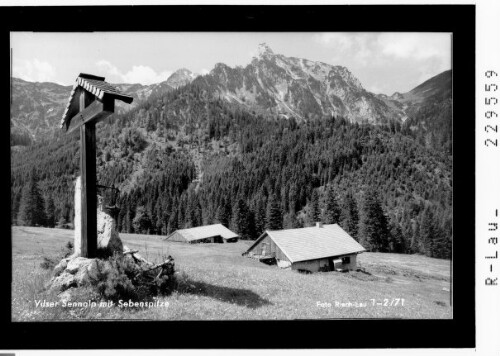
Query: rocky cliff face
[180,77]
[288,86]
[36,108]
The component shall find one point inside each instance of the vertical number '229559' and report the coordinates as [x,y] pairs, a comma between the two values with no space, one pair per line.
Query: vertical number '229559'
[490,114]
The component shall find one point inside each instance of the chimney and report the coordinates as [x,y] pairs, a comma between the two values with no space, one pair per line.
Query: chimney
[319,224]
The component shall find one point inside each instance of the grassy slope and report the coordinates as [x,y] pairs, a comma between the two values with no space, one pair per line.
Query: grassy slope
[216,282]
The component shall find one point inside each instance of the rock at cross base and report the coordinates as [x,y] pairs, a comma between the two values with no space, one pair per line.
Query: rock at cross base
[107,236]
[61,266]
[73,272]
[72,275]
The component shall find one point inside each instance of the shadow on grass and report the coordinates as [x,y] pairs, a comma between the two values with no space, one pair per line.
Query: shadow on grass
[243,297]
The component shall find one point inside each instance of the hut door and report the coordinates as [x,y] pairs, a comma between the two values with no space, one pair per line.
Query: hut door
[331,264]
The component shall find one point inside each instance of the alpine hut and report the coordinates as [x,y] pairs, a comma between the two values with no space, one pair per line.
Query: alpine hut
[217,233]
[308,249]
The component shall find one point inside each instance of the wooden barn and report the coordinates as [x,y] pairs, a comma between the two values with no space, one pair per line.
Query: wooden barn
[216,233]
[309,249]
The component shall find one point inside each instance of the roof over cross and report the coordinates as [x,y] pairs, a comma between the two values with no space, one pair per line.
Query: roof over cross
[100,90]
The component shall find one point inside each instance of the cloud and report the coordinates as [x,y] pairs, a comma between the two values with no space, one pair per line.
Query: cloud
[342,41]
[347,47]
[430,52]
[383,48]
[413,45]
[431,68]
[204,71]
[138,74]
[375,89]
[33,71]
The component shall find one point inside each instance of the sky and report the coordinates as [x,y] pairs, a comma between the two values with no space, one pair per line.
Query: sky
[384,62]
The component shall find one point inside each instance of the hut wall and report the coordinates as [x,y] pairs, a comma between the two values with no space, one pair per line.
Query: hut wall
[352,264]
[266,247]
[310,265]
[315,265]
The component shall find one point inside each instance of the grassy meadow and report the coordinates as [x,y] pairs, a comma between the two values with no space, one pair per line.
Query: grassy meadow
[216,282]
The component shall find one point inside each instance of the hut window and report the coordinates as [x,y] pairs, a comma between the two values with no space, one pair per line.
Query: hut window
[346,260]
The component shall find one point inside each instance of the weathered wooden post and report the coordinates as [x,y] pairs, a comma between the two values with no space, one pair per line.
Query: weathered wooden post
[91,101]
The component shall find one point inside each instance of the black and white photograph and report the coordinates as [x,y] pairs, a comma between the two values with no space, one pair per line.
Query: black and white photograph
[231,175]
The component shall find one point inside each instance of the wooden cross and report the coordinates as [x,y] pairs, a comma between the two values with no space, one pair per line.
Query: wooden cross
[91,101]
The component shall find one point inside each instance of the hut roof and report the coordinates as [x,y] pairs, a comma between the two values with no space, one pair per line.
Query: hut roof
[203,232]
[94,85]
[311,243]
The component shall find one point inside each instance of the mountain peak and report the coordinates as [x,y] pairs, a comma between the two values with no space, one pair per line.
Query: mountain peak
[180,77]
[265,50]
[397,96]
[183,71]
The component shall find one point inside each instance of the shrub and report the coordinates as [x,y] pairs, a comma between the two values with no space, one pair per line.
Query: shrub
[119,277]
[51,262]
[113,279]
[48,263]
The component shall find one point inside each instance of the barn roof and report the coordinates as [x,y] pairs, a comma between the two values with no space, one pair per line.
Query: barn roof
[311,243]
[94,85]
[203,232]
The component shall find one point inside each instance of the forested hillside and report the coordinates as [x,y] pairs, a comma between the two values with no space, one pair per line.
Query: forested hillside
[187,158]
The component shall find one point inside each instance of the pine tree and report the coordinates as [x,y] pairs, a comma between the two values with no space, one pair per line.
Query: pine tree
[293,195]
[430,234]
[260,217]
[446,235]
[224,213]
[158,225]
[373,231]
[193,213]
[141,221]
[173,222]
[407,230]
[415,246]
[181,210]
[50,212]
[274,217]
[32,209]
[290,221]
[314,210]
[441,247]
[243,220]
[332,211]
[350,216]
[121,214]
[240,219]
[397,242]
[251,231]
[15,208]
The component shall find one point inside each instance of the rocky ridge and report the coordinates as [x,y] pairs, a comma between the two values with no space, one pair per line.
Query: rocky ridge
[287,86]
